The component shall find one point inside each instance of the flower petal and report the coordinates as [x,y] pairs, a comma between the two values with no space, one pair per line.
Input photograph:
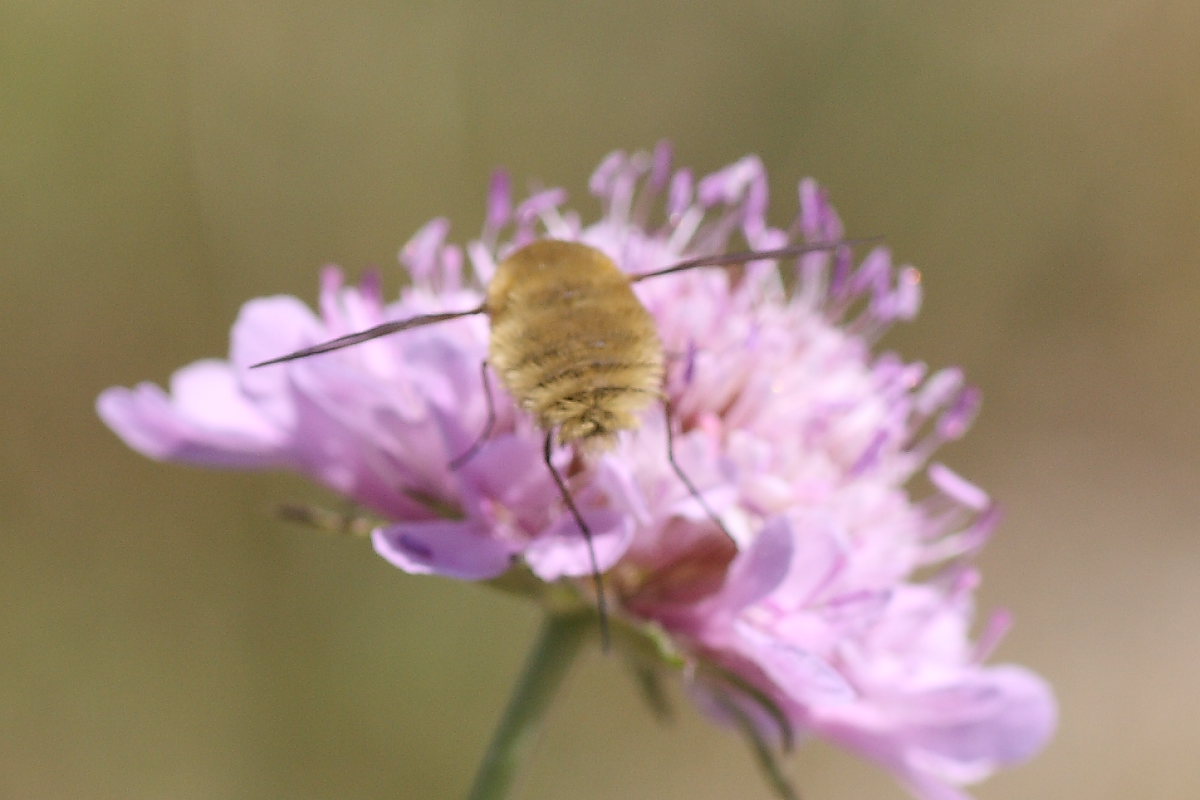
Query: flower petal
[456,549]
[757,571]
[562,551]
[206,420]
[995,717]
[801,673]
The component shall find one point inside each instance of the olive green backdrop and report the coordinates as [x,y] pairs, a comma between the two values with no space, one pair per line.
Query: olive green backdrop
[163,636]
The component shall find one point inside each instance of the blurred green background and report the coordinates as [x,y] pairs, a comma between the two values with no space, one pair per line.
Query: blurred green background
[161,162]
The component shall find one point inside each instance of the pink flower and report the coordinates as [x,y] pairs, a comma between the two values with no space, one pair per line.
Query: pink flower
[799,437]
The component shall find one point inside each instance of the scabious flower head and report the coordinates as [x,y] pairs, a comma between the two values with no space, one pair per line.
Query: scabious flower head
[842,599]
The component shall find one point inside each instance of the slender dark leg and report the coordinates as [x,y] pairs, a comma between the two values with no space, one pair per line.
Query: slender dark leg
[683,476]
[470,452]
[601,602]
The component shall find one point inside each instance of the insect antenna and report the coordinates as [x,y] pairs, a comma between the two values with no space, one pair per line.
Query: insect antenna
[601,601]
[725,259]
[370,333]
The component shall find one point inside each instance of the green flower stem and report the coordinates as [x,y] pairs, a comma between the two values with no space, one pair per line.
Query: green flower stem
[556,647]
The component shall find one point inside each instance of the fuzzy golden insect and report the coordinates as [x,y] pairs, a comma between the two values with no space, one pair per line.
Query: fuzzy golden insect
[572,343]
[574,347]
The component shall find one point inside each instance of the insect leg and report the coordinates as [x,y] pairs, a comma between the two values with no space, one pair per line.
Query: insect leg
[683,476]
[464,457]
[601,602]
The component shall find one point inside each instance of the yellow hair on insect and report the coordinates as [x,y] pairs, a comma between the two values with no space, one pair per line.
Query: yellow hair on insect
[572,343]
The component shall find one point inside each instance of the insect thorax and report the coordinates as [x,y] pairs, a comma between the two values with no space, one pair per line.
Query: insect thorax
[572,343]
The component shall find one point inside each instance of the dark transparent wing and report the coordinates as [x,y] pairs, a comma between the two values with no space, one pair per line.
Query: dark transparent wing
[371,333]
[725,259]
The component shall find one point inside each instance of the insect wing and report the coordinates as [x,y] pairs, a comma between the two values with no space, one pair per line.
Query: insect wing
[386,328]
[726,259]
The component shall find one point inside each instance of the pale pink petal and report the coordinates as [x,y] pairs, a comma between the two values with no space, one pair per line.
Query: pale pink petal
[270,327]
[803,674]
[456,549]
[205,422]
[993,717]
[562,550]
[757,571]
[499,202]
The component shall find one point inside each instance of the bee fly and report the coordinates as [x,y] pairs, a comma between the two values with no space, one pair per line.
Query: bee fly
[575,348]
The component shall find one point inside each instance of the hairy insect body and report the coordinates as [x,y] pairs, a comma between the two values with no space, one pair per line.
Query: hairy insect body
[572,343]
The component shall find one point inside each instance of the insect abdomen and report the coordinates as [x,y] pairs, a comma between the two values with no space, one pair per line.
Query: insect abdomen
[572,342]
